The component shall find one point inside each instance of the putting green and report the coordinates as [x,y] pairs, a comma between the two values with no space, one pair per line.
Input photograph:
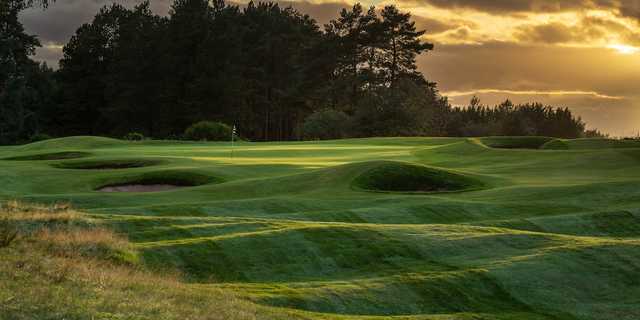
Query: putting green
[488,228]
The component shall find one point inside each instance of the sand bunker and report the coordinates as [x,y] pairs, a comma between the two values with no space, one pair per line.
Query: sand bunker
[140,188]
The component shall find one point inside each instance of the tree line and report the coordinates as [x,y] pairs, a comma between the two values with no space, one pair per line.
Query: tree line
[270,70]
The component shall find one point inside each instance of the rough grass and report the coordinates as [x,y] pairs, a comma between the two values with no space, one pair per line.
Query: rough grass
[63,267]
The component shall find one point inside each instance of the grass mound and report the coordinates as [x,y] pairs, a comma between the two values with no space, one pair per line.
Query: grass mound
[50,156]
[80,142]
[555,144]
[176,178]
[515,142]
[602,143]
[107,164]
[406,177]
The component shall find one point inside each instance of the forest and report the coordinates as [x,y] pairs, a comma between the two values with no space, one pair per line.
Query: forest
[269,70]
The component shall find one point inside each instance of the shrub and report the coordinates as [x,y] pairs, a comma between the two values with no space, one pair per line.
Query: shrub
[208,131]
[134,136]
[326,124]
[8,232]
[40,137]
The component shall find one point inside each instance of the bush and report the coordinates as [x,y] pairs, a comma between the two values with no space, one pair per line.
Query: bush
[39,137]
[326,124]
[208,131]
[8,232]
[134,136]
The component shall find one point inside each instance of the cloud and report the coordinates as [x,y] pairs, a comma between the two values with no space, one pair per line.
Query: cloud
[593,94]
[61,19]
[586,31]
[321,12]
[597,83]
[433,26]
[626,8]
[512,66]
[508,5]
[555,32]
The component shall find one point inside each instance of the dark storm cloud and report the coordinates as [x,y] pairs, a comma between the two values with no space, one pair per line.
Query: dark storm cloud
[55,25]
[61,19]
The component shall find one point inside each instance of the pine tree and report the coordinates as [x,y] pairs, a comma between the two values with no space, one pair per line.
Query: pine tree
[400,45]
[21,95]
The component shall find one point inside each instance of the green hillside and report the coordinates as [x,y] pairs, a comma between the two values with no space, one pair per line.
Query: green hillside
[410,228]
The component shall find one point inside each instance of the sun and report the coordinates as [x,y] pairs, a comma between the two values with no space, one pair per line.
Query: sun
[624,49]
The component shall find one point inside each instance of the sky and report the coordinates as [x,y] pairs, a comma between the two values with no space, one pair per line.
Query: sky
[580,54]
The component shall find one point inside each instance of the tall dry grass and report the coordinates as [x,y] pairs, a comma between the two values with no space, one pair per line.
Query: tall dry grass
[68,265]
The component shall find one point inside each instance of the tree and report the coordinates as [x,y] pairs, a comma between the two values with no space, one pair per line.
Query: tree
[400,44]
[352,39]
[278,44]
[188,29]
[327,124]
[406,109]
[85,72]
[136,80]
[24,84]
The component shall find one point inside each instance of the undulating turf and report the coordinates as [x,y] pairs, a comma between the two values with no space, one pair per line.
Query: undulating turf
[516,142]
[537,228]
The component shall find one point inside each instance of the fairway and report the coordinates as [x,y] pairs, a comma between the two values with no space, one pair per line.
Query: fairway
[410,228]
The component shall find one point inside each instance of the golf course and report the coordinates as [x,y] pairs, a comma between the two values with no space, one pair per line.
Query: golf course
[380,228]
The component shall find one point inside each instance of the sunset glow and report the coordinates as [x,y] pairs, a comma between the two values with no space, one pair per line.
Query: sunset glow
[624,49]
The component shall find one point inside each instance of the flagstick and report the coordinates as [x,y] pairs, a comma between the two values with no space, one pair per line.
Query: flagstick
[233,134]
